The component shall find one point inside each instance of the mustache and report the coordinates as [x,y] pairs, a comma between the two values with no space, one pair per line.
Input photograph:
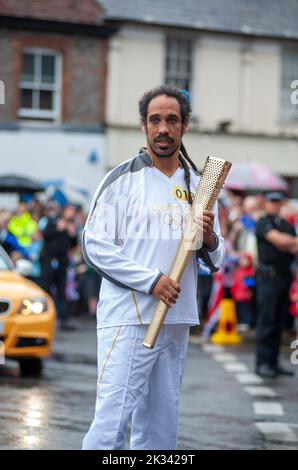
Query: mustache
[164,139]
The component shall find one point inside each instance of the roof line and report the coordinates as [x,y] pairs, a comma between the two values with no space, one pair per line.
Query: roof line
[100,30]
[121,21]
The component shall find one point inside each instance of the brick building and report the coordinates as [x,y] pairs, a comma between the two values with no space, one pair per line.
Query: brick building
[53,67]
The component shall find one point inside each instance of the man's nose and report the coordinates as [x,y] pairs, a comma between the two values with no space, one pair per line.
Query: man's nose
[163,128]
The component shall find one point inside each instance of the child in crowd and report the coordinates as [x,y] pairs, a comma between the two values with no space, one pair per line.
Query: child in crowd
[294,301]
[243,291]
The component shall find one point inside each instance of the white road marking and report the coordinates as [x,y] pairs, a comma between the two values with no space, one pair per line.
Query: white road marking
[268,408]
[249,378]
[212,348]
[277,431]
[257,391]
[274,433]
[235,367]
[225,357]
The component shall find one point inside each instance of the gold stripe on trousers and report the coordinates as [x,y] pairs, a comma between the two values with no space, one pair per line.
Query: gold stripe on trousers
[108,355]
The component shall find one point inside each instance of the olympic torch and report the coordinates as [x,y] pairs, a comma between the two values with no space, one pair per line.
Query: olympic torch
[212,180]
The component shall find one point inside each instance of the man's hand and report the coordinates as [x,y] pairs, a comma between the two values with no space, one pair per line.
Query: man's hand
[166,290]
[294,250]
[61,225]
[71,229]
[206,224]
[283,241]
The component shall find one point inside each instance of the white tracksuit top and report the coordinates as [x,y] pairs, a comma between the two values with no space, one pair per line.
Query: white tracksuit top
[131,238]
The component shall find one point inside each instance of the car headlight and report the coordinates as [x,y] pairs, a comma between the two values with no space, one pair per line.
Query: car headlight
[33,306]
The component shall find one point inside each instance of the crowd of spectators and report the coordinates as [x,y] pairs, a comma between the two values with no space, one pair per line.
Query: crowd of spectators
[50,236]
[238,214]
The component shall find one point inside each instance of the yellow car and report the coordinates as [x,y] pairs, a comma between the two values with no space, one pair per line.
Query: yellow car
[27,319]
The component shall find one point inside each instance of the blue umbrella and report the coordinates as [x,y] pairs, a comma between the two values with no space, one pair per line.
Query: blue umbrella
[66,191]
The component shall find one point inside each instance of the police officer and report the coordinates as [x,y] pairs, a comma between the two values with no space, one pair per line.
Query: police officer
[277,246]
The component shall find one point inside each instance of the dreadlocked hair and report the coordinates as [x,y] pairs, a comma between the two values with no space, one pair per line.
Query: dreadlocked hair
[184,160]
[172,92]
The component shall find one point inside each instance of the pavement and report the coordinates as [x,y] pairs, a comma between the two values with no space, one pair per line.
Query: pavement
[79,345]
[224,405]
[204,399]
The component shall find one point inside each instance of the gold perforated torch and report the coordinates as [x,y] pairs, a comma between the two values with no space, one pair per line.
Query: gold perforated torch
[212,180]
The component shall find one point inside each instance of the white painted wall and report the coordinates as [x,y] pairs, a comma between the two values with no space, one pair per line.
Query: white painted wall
[123,144]
[135,64]
[264,96]
[235,79]
[53,154]
[239,81]
[279,154]
[217,82]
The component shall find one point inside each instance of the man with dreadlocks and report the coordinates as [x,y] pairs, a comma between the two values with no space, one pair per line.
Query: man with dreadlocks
[131,237]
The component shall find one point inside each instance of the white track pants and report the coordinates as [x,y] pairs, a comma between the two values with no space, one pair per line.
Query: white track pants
[138,385]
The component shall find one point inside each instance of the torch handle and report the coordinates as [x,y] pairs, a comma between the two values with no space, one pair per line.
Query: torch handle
[182,257]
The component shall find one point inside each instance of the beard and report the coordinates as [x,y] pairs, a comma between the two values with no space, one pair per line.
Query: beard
[164,155]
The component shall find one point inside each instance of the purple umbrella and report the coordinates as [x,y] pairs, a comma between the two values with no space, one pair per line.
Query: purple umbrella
[254,177]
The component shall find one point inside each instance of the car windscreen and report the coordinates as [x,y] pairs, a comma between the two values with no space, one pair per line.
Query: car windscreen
[3,266]
[5,263]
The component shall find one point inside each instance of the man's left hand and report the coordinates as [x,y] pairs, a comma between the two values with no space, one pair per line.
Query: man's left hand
[206,222]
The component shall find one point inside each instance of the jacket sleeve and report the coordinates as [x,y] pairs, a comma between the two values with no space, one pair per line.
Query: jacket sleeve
[102,247]
[12,241]
[214,258]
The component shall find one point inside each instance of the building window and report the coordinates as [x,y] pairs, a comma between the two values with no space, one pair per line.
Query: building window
[179,63]
[40,86]
[289,73]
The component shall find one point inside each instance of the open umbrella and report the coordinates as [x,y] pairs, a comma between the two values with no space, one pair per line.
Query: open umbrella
[19,184]
[254,177]
[67,191]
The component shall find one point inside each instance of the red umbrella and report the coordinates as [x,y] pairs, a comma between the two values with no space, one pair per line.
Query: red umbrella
[254,177]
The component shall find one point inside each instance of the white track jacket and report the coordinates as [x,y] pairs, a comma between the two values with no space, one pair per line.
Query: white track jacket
[131,237]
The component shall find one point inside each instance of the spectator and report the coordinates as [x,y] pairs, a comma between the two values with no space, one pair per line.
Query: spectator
[294,301]
[243,291]
[60,235]
[22,225]
[277,247]
[34,251]
[7,239]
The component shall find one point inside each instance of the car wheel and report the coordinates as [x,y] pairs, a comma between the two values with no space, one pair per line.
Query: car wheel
[31,367]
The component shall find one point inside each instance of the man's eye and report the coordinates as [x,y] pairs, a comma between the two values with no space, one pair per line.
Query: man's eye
[172,120]
[154,120]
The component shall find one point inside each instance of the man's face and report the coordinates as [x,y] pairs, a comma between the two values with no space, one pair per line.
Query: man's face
[69,214]
[273,207]
[164,128]
[22,208]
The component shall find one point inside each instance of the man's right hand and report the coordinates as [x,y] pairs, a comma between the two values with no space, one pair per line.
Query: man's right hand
[166,290]
[294,250]
[61,225]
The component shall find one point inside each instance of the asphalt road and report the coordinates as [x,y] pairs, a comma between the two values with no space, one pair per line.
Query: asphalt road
[223,404]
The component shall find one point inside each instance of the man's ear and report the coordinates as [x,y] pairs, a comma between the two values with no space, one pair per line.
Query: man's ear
[184,129]
[144,128]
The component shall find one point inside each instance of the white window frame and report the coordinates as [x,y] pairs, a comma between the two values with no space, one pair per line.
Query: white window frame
[173,76]
[56,87]
[289,58]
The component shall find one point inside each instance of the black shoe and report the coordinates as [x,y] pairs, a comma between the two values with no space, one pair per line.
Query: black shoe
[282,371]
[265,370]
